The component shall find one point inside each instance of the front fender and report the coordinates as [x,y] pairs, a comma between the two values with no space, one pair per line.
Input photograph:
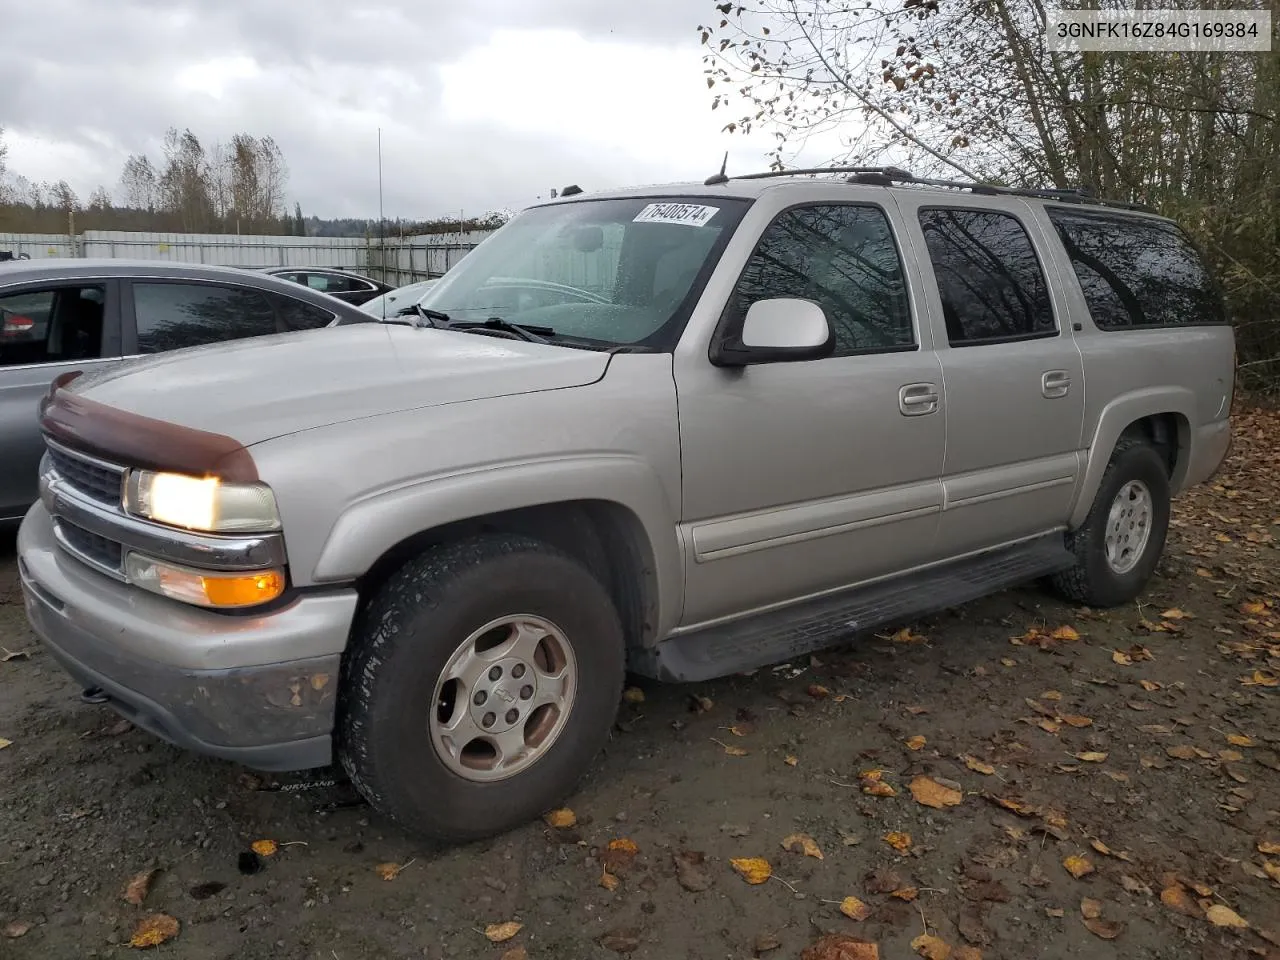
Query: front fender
[372,525]
[1115,417]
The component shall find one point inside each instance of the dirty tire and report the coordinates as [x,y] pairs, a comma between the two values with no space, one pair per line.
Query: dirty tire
[402,643]
[1092,581]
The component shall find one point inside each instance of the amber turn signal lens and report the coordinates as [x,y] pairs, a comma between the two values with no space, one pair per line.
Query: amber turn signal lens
[243,591]
[204,588]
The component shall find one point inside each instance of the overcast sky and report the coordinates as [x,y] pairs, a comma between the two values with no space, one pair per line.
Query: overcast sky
[483,104]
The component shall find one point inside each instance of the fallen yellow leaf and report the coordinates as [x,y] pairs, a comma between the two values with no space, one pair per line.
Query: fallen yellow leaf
[915,743]
[854,909]
[1065,633]
[978,766]
[1272,870]
[1104,929]
[5,743]
[1122,658]
[752,869]
[1261,678]
[1078,865]
[265,848]
[1091,756]
[1269,847]
[1254,608]
[608,880]
[139,886]
[790,761]
[1051,695]
[899,841]
[1175,614]
[874,786]
[818,691]
[564,817]
[966,953]
[633,695]
[1007,662]
[806,844]
[1239,740]
[730,750]
[930,793]
[1090,909]
[153,930]
[1150,686]
[742,729]
[388,871]
[931,947]
[1230,756]
[1221,916]
[906,893]
[1177,899]
[1183,751]
[502,932]
[1076,720]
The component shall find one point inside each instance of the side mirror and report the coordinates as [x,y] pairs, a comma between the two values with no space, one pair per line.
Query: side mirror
[776,331]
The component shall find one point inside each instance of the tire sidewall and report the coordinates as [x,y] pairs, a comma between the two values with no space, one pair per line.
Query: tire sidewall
[390,753]
[1140,462]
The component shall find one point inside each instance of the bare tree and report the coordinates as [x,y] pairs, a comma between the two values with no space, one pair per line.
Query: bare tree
[139,186]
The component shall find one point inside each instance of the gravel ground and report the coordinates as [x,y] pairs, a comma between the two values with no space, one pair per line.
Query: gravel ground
[1015,778]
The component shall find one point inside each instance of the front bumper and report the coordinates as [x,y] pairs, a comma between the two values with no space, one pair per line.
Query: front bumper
[257,690]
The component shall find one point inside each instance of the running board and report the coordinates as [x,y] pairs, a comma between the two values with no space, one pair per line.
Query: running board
[780,635]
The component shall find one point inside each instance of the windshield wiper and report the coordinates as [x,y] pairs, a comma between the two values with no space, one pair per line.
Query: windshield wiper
[434,318]
[531,333]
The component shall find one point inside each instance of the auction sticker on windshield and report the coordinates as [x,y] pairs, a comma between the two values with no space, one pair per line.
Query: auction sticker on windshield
[692,214]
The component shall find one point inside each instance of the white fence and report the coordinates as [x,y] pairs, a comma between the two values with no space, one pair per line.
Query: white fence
[396,260]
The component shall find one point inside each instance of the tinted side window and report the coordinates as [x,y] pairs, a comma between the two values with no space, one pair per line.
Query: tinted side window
[843,257]
[991,283]
[1136,272]
[296,315]
[175,315]
[50,326]
[333,283]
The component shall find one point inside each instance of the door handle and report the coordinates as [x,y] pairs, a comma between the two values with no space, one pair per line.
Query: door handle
[1055,384]
[917,399]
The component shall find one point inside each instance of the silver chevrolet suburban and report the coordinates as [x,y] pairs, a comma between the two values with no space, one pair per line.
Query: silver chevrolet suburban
[686,431]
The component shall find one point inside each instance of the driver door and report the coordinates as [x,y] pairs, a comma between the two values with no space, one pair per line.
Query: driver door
[808,476]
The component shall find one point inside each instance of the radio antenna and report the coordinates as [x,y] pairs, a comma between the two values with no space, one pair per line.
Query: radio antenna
[717,178]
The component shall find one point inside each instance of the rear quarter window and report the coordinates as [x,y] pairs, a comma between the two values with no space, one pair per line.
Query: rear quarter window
[1137,273]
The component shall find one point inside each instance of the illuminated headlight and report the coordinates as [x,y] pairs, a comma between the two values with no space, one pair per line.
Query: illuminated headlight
[201,503]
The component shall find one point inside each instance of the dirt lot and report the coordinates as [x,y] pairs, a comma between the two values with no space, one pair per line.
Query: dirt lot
[1138,748]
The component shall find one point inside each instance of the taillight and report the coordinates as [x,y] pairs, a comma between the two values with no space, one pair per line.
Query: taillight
[15,325]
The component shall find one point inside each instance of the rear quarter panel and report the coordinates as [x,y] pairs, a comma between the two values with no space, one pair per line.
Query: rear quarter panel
[1134,373]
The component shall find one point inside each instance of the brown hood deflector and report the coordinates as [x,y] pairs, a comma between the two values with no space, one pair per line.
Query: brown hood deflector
[137,441]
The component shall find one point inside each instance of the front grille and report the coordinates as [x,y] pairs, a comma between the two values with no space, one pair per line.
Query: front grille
[104,552]
[95,480]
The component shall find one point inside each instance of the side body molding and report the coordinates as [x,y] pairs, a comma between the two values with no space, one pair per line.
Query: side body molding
[372,525]
[1112,421]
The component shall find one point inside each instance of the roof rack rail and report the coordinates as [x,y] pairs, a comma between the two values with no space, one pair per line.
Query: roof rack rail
[888,176]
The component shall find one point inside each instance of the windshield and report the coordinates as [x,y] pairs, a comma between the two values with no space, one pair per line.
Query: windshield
[608,272]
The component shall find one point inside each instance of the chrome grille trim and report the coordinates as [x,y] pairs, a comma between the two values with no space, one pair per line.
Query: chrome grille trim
[96,479]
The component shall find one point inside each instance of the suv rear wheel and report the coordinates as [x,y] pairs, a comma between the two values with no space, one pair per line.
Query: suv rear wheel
[483,679]
[1120,542]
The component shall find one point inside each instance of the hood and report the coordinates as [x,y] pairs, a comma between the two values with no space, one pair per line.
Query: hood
[264,387]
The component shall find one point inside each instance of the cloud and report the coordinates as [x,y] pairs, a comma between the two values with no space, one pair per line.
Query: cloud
[482,106]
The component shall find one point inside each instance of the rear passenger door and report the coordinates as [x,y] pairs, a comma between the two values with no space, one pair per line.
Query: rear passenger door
[167,315]
[1012,374]
[47,328]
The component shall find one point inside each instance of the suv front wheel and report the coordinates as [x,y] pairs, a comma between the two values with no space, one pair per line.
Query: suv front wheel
[483,679]
[1120,542]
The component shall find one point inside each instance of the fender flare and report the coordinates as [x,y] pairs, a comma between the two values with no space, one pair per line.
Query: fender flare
[1114,419]
[372,525]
